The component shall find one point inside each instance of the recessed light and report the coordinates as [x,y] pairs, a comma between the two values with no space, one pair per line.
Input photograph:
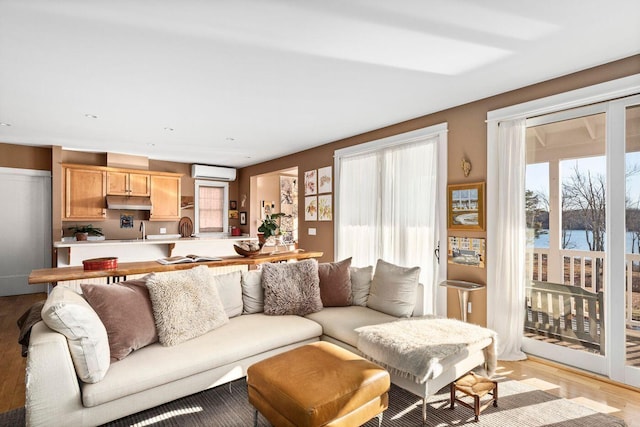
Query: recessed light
[229,139]
[91,116]
[5,124]
[169,129]
[151,144]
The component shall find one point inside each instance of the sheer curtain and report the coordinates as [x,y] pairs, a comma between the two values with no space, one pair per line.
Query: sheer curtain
[506,282]
[386,208]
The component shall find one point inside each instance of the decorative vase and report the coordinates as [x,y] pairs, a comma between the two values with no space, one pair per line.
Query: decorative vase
[81,236]
[261,239]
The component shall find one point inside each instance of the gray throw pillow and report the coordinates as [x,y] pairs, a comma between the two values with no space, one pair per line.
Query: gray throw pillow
[394,289]
[185,305]
[360,284]
[252,292]
[291,288]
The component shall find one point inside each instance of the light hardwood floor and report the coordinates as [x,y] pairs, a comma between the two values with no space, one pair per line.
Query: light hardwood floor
[588,389]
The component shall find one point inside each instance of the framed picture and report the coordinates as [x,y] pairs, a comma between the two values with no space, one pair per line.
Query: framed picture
[233,205]
[233,214]
[466,251]
[243,218]
[311,182]
[466,206]
[311,208]
[325,213]
[324,180]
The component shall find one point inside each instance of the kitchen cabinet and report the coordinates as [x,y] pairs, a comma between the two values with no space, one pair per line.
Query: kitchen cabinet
[84,194]
[121,183]
[165,197]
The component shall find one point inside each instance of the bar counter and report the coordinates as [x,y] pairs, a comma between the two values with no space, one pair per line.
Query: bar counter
[53,275]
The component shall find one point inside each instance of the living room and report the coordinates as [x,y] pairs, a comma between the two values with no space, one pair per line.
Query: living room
[466,139]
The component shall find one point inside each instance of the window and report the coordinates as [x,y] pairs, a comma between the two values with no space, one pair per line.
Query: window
[211,207]
[387,203]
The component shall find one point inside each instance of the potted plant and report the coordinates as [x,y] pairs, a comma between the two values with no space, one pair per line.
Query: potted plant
[83,231]
[269,226]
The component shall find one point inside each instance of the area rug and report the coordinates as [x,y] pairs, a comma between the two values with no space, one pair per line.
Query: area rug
[227,406]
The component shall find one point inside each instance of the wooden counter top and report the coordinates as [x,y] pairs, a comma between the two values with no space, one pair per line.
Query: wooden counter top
[52,275]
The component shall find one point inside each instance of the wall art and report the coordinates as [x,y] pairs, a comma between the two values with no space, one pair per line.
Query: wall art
[311,182]
[325,183]
[466,206]
[311,208]
[325,212]
[466,251]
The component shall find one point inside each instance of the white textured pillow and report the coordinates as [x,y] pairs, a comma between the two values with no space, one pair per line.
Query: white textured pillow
[360,284]
[252,292]
[67,312]
[185,305]
[230,291]
[394,289]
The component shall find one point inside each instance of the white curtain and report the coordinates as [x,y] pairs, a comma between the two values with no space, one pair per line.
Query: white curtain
[506,290]
[387,208]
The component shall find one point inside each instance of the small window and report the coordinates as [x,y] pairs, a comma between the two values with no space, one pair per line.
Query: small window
[211,207]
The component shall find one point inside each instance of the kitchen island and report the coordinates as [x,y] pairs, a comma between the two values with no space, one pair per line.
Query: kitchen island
[72,253]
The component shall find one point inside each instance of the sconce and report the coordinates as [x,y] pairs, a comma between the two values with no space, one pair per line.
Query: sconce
[466,167]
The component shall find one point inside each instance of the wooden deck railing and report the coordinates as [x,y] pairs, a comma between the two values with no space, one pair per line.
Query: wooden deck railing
[565,312]
[579,270]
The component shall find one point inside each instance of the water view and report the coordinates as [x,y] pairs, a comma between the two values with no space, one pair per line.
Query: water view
[578,241]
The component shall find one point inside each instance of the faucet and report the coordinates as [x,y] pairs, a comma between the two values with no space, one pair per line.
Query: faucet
[143,229]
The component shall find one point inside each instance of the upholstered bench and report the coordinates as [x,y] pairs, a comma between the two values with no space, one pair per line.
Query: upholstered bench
[475,386]
[318,384]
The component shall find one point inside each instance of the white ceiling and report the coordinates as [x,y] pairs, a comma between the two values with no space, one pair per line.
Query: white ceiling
[244,81]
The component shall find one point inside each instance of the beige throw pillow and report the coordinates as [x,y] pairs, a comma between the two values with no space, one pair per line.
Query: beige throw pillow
[185,305]
[67,312]
[394,289]
[230,291]
[252,292]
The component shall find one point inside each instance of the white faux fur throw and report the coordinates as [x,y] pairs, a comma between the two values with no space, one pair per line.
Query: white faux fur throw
[414,347]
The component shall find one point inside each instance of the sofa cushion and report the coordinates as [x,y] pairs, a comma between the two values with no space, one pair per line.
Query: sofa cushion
[394,289]
[291,288]
[125,311]
[230,291]
[67,312]
[335,283]
[340,323]
[360,284]
[243,337]
[185,305]
[252,292]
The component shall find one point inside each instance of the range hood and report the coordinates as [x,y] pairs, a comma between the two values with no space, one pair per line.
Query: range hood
[133,203]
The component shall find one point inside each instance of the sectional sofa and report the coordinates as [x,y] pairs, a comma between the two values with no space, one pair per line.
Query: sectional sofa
[73,379]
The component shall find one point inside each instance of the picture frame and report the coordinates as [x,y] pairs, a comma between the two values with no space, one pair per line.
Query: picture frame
[325,184]
[325,209]
[311,182]
[233,214]
[233,205]
[466,206]
[468,251]
[311,208]
[243,218]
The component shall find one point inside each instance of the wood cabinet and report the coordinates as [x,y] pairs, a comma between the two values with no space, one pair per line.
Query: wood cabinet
[165,197]
[83,196]
[121,183]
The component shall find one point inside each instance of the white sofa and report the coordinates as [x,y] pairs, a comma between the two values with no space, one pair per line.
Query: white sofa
[157,374]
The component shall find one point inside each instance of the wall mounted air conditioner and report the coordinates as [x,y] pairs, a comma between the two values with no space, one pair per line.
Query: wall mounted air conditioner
[217,173]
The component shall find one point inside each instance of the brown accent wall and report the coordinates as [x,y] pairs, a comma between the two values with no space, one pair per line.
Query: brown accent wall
[467,138]
[25,157]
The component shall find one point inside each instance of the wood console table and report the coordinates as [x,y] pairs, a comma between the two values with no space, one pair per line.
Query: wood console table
[54,275]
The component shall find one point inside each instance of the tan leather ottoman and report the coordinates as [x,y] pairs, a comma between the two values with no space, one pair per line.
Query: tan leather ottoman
[318,384]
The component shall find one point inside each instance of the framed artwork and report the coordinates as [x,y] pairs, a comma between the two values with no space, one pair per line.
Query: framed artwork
[466,206]
[325,212]
[233,205]
[466,251]
[311,182]
[324,180]
[311,208]
[233,214]
[243,218]
[288,189]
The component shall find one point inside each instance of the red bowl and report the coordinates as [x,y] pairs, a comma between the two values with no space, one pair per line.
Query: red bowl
[107,263]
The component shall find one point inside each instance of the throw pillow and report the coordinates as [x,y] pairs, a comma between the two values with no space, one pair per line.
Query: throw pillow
[66,312]
[184,305]
[252,292]
[360,284]
[125,310]
[394,289]
[291,288]
[335,283]
[230,291]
